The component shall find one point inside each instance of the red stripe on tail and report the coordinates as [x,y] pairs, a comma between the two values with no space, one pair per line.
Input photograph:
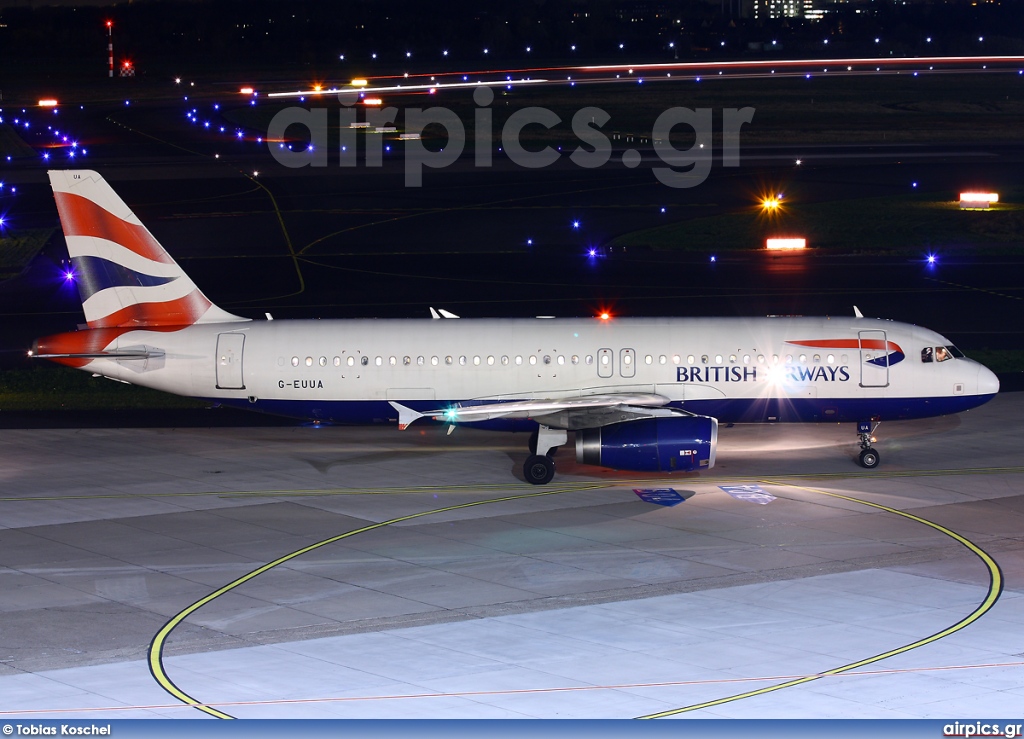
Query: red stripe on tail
[82,217]
[181,312]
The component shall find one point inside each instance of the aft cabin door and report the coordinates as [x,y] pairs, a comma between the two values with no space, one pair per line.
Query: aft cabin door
[229,361]
[874,359]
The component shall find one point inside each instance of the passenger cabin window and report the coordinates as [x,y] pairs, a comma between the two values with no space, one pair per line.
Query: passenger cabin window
[519,359]
[448,360]
[364,360]
[378,361]
[419,361]
[309,361]
[351,361]
[337,361]
[590,359]
[575,358]
[295,361]
[406,361]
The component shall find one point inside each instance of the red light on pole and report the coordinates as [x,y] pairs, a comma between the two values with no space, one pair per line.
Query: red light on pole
[110,50]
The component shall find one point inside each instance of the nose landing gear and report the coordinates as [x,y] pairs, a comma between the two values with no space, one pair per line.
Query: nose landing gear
[869,458]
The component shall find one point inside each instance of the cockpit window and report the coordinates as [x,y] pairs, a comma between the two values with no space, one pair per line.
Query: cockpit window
[955,352]
[927,354]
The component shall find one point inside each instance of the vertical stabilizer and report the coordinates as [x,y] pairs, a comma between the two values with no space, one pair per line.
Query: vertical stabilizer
[125,278]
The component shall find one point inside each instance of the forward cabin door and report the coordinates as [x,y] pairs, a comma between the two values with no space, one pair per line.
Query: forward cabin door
[874,359]
[605,362]
[229,361]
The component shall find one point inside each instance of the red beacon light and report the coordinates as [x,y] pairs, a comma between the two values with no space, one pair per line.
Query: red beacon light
[605,315]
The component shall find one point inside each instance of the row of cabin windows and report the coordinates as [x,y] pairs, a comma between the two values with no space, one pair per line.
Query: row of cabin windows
[559,359]
[435,361]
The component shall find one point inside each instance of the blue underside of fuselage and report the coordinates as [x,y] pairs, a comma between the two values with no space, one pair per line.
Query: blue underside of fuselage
[756,410]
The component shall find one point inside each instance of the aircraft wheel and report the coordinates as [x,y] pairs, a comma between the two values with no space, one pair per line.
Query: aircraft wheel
[869,458]
[538,470]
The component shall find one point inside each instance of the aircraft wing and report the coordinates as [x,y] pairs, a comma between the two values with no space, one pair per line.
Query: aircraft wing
[589,411]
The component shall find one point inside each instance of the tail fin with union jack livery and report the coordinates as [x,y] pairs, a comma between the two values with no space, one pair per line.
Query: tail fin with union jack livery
[125,278]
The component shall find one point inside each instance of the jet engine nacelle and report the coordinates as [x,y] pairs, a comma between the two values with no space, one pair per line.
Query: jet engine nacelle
[680,444]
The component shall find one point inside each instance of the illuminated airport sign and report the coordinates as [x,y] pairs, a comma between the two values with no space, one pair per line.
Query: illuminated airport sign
[978,200]
[785,244]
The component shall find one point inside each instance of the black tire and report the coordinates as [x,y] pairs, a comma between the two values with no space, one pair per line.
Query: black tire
[538,470]
[869,458]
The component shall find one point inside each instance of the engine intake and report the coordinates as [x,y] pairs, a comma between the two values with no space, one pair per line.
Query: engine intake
[651,444]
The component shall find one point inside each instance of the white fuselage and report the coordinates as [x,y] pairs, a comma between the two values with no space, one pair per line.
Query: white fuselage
[738,369]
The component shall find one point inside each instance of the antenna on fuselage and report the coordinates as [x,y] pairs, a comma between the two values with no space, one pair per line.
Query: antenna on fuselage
[857,313]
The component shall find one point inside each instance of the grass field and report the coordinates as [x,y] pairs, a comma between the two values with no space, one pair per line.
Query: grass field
[12,145]
[51,387]
[17,250]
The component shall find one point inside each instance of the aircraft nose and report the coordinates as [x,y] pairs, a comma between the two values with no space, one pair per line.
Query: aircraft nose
[988,383]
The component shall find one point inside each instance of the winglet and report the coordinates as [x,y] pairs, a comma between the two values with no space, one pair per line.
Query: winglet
[406,416]
[857,313]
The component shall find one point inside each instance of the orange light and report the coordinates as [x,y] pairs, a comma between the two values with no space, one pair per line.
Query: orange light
[317,88]
[48,103]
[372,101]
[359,83]
[785,244]
[771,203]
[605,316]
[247,91]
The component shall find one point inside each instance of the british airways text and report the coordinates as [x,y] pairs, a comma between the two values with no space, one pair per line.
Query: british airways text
[794,373]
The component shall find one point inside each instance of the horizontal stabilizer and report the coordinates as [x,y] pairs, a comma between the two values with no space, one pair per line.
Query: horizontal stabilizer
[124,354]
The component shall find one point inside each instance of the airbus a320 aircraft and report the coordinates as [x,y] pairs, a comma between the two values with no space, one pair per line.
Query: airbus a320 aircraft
[643,394]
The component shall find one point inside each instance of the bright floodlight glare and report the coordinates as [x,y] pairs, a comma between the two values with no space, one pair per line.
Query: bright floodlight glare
[776,374]
[931,259]
[592,252]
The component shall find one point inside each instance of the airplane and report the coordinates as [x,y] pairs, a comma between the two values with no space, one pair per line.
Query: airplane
[640,394]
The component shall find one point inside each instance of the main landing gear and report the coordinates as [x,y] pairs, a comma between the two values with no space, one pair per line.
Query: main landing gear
[869,458]
[539,469]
